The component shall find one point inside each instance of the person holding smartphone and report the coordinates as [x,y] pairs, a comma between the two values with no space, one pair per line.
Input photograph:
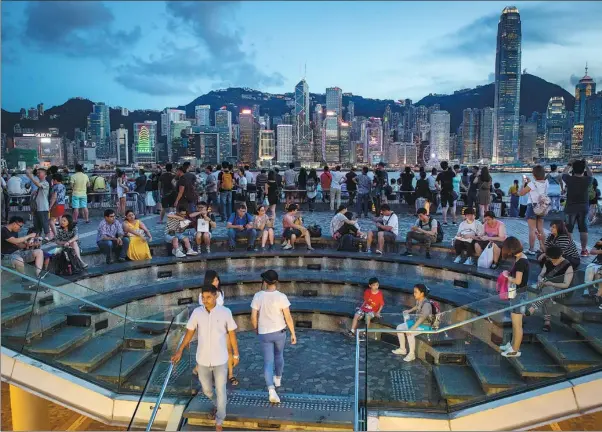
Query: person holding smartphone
[205,223]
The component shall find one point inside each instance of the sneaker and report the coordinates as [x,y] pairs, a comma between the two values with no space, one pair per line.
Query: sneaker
[428,255]
[277,381]
[271,247]
[408,253]
[178,253]
[494,266]
[445,223]
[506,347]
[454,223]
[191,252]
[287,247]
[121,259]
[530,252]
[377,252]
[458,259]
[469,261]
[368,250]
[208,249]
[399,351]
[409,358]
[584,253]
[511,354]
[273,396]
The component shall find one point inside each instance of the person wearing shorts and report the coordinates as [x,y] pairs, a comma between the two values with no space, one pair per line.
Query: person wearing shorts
[576,208]
[79,198]
[387,229]
[175,228]
[201,237]
[371,307]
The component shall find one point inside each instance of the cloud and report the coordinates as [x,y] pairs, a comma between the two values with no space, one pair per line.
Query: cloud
[152,86]
[75,29]
[491,77]
[217,53]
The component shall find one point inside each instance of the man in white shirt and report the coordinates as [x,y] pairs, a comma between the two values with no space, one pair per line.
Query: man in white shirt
[335,188]
[387,229]
[424,232]
[214,324]
[270,315]
[15,186]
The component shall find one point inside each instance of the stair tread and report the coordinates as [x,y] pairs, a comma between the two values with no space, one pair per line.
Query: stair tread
[493,370]
[567,347]
[457,382]
[590,330]
[121,365]
[92,352]
[535,362]
[37,325]
[61,340]
[15,310]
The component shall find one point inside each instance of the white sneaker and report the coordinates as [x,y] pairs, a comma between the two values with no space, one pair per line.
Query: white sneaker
[399,351]
[468,261]
[287,247]
[273,396]
[208,249]
[277,381]
[178,253]
[409,358]
[191,252]
[458,259]
[506,347]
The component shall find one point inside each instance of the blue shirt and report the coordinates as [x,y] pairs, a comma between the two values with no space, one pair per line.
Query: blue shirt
[235,220]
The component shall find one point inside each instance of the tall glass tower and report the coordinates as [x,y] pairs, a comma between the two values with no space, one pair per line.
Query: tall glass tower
[507,87]
[302,150]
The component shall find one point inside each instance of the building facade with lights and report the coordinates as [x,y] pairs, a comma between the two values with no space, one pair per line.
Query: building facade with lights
[145,142]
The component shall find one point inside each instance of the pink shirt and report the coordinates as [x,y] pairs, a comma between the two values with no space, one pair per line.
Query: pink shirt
[492,231]
[289,220]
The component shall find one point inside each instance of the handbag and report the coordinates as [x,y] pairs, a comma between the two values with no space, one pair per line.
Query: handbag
[314,231]
[486,258]
[150,201]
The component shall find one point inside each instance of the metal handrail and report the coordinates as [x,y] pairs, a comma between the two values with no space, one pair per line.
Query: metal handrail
[445,329]
[88,302]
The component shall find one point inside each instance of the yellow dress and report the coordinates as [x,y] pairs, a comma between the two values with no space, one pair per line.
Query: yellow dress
[138,249]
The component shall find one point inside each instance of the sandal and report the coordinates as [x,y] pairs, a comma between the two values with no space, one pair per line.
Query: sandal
[233,381]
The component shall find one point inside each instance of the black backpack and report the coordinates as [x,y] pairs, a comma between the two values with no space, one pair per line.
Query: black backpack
[347,243]
[66,263]
[439,229]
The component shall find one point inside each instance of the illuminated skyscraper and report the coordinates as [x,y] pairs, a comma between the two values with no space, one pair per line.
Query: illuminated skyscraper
[284,146]
[267,145]
[202,114]
[99,131]
[317,133]
[145,139]
[373,140]
[471,126]
[223,121]
[486,133]
[167,118]
[507,87]
[440,125]
[584,89]
[527,140]
[302,148]
[592,127]
[248,138]
[346,155]
[334,100]
[350,111]
[331,138]
[556,123]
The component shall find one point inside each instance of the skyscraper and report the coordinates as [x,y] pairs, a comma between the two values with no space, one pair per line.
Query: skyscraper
[471,128]
[334,100]
[592,127]
[267,145]
[123,151]
[556,122]
[167,118]
[373,140]
[440,125]
[248,137]
[527,140]
[387,118]
[202,114]
[302,148]
[350,111]
[507,86]
[346,155]
[486,133]
[284,146]
[145,139]
[99,131]
[317,133]
[223,122]
[331,138]
[584,89]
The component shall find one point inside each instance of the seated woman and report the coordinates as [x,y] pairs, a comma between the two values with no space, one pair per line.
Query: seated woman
[420,317]
[293,228]
[139,237]
[205,223]
[175,228]
[265,227]
[341,224]
[556,274]
[469,231]
[67,236]
[495,233]
[559,236]
[594,272]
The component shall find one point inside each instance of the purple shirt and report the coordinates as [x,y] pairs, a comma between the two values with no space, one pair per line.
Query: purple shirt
[109,230]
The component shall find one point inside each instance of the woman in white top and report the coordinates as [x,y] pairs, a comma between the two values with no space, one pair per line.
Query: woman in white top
[554,179]
[212,278]
[242,184]
[536,187]
[122,190]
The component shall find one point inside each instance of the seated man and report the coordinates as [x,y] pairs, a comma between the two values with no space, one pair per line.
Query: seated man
[175,228]
[424,231]
[371,307]
[205,223]
[110,237]
[387,229]
[16,250]
[469,231]
[240,224]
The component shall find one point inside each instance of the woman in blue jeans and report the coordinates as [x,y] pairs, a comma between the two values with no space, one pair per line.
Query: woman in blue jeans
[270,316]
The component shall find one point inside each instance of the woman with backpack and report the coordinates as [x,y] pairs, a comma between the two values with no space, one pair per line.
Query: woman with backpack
[537,190]
[420,317]
[67,237]
[311,188]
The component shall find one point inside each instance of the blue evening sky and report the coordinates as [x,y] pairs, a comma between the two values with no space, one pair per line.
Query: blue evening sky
[158,54]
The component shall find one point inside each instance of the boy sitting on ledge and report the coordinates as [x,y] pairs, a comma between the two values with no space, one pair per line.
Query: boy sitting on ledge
[371,307]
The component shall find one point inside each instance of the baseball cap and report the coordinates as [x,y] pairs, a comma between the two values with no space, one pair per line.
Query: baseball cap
[270,276]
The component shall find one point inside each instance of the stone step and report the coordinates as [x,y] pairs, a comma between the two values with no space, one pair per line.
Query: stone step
[534,362]
[493,371]
[457,383]
[15,311]
[567,347]
[252,410]
[38,325]
[119,367]
[93,353]
[592,332]
[61,340]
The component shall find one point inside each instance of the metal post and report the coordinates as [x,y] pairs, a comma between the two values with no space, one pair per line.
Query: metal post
[356,395]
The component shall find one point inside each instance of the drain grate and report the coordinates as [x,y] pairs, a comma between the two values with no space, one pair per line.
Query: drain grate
[291,401]
[182,367]
[403,387]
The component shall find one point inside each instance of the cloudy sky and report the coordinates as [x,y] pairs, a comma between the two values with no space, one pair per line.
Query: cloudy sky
[157,54]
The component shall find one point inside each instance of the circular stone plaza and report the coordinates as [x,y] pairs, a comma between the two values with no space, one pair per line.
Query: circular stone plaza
[98,345]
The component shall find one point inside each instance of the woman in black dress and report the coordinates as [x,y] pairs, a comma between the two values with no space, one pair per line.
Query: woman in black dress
[271,191]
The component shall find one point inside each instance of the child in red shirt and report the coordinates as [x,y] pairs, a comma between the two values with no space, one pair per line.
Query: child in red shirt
[372,305]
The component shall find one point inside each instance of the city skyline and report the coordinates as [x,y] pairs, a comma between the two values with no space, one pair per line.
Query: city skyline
[461,42]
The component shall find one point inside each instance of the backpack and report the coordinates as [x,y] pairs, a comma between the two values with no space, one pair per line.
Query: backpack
[227,181]
[592,192]
[435,318]
[541,207]
[314,231]
[347,243]
[113,182]
[67,263]
[439,229]
[311,185]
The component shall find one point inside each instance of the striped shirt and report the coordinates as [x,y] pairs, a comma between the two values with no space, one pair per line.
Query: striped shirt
[564,242]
